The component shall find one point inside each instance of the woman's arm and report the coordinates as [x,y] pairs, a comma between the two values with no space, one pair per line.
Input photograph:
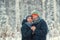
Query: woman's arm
[25,31]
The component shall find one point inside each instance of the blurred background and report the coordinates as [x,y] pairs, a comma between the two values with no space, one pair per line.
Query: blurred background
[12,12]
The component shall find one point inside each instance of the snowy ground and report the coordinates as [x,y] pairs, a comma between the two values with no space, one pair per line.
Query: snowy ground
[19,38]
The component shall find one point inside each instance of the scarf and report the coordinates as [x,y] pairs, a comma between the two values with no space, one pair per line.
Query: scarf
[29,24]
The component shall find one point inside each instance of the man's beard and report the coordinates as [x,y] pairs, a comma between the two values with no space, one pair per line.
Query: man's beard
[36,21]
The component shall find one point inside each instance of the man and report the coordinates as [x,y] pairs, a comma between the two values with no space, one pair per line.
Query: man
[39,28]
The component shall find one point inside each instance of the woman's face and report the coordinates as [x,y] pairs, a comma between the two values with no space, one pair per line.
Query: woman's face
[29,19]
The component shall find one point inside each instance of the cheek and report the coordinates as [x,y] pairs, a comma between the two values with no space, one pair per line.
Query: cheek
[31,20]
[34,18]
[27,19]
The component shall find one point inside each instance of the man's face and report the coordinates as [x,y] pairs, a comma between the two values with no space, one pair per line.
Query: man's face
[35,17]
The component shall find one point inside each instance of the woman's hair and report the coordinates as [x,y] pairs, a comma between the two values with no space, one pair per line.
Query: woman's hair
[28,16]
[25,20]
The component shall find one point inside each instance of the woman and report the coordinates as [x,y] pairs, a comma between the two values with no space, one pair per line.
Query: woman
[26,29]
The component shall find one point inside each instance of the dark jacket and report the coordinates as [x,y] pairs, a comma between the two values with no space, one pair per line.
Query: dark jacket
[41,30]
[26,32]
[39,34]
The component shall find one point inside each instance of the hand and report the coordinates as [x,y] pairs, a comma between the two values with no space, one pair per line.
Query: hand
[33,28]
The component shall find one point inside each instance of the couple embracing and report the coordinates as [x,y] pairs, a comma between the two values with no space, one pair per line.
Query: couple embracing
[34,28]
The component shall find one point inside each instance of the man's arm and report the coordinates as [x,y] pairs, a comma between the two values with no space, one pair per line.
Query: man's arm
[42,31]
